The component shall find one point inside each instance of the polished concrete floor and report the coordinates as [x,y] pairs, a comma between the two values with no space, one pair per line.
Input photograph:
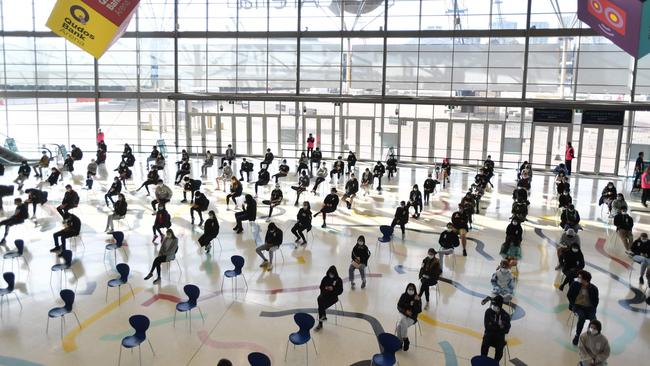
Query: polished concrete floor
[260,319]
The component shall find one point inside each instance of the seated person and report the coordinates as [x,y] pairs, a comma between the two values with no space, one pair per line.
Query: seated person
[366,181]
[236,190]
[409,306]
[503,283]
[640,252]
[248,212]
[119,211]
[351,189]
[44,162]
[360,255]
[560,169]
[303,222]
[330,204]
[608,195]
[162,220]
[321,175]
[182,171]
[391,166]
[23,174]
[570,219]
[283,171]
[70,201]
[72,228]
[514,232]
[430,272]
[76,153]
[226,174]
[378,172]
[207,163]
[572,261]
[415,201]
[35,197]
[152,178]
[199,205]
[263,178]
[352,161]
[154,154]
[303,164]
[159,164]
[303,185]
[268,159]
[459,220]
[448,241]
[624,224]
[338,168]
[20,215]
[276,199]
[114,190]
[246,167]
[497,325]
[166,253]
[229,156]
[162,194]
[210,231]
[429,187]
[564,200]
[618,204]
[401,217]
[190,185]
[316,157]
[331,287]
[568,238]
[272,241]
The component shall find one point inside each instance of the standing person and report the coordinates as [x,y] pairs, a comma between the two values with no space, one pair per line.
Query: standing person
[391,166]
[378,172]
[569,155]
[72,228]
[100,135]
[330,204]
[446,172]
[114,190]
[624,224]
[429,187]
[310,145]
[409,306]
[152,178]
[303,185]
[236,190]
[448,241]
[593,347]
[638,169]
[360,255]
[20,215]
[210,231]
[429,274]
[70,201]
[497,325]
[352,161]
[645,185]
[248,212]
[207,163]
[283,171]
[200,204]
[583,301]
[23,174]
[272,240]
[415,200]
[331,287]
[459,220]
[44,162]
[315,158]
[321,174]
[246,167]
[640,253]
[226,174]
[303,223]
[401,217]
[263,178]
[276,199]
[166,253]
[351,189]
[162,220]
[163,194]
[119,211]
[572,261]
[229,155]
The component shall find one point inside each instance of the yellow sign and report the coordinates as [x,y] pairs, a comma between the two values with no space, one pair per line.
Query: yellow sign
[83,26]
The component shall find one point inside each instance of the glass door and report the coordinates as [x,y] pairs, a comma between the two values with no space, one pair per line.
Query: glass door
[241,135]
[364,142]
[457,143]
[225,134]
[540,141]
[440,142]
[350,138]
[588,149]
[477,132]
[405,152]
[423,141]
[326,137]
[196,140]
[271,139]
[493,140]
[549,142]
[600,148]
[610,151]
[257,138]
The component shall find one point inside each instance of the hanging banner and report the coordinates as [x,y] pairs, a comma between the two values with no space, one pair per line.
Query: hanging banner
[92,25]
[625,22]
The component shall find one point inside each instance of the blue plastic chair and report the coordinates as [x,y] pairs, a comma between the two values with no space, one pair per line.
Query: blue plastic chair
[193,293]
[15,254]
[140,324]
[237,261]
[63,267]
[258,359]
[390,344]
[124,270]
[59,312]
[119,240]
[386,232]
[483,361]
[10,278]
[305,322]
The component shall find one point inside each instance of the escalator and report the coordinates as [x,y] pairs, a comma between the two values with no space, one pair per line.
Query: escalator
[10,158]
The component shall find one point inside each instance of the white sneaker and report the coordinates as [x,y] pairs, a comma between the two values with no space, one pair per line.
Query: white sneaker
[426,306]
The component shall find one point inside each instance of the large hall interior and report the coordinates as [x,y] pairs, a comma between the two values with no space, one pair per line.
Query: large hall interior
[324,182]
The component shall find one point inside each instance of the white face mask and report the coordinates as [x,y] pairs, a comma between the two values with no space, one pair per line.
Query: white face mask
[593,331]
[577,279]
[644,240]
[575,250]
[360,243]
[330,275]
[495,308]
[431,256]
[410,292]
[505,270]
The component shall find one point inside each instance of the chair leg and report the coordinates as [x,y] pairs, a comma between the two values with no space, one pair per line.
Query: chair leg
[285,351]
[18,299]
[174,323]
[76,317]
[119,357]
[119,295]
[150,346]
[132,293]
[47,325]
[106,297]
[245,282]
[201,312]
[140,354]
[314,343]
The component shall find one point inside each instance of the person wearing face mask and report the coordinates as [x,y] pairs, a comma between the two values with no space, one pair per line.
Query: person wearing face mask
[351,189]
[226,174]
[303,185]
[570,219]
[273,239]
[366,181]
[166,253]
[162,220]
[514,232]
[321,174]
[315,158]
[268,159]
[459,220]
[624,224]
[564,200]
[430,272]
[276,199]
[583,301]
[503,283]
[378,172]
[163,195]
[608,195]
[567,240]
[352,161]
[248,212]
[415,200]
[114,190]
[593,347]
[572,262]
[338,168]
[303,164]
[210,231]
[283,171]
[152,178]
[645,186]
[497,325]
[640,252]
[70,201]
[409,306]
[391,166]
[360,255]
[303,223]
[448,242]
[401,217]
[330,204]
[331,287]
[263,178]
[511,251]
[618,204]
[310,145]
[429,187]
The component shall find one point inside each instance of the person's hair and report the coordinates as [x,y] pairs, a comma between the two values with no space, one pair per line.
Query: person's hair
[450,224]
[505,264]
[362,239]
[159,181]
[415,186]
[249,198]
[432,251]
[18,200]
[308,204]
[597,324]
[169,230]
[402,203]
[211,213]
[640,153]
[584,275]
[121,197]
[224,362]
[272,226]
[68,186]
[411,285]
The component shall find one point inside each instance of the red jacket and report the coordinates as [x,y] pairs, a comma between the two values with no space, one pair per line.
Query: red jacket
[569,154]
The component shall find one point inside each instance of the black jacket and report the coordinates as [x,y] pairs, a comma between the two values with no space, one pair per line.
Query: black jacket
[202,202]
[192,185]
[574,290]
[352,159]
[335,282]
[332,200]
[237,191]
[76,153]
[274,237]
[640,248]
[339,165]
[73,224]
[415,196]
[247,166]
[571,260]
[564,200]
[623,222]
[401,215]
[71,199]
[153,176]
[120,207]
[68,164]
[263,177]
[431,268]
[283,168]
[362,253]
[185,167]
[459,220]
[316,155]
[36,196]
[101,156]
[379,169]
[569,218]
[496,324]
[116,188]
[268,157]
[22,212]
[514,231]
[351,187]
[304,218]
[211,228]
[251,210]
[407,302]
[430,185]
[163,219]
[24,170]
[303,181]
[276,195]
[448,239]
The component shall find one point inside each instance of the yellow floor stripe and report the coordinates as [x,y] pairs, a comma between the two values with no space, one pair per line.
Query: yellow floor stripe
[301,260]
[70,339]
[456,328]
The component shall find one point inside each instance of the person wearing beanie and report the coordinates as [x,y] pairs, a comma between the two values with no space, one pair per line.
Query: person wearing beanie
[497,325]
[593,346]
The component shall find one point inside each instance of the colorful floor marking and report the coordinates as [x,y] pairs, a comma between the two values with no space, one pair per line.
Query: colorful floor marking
[253,347]
[600,247]
[518,310]
[154,323]
[301,259]
[462,330]
[450,355]
[70,339]
[11,361]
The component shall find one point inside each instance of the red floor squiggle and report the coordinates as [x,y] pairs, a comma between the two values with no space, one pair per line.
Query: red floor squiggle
[600,247]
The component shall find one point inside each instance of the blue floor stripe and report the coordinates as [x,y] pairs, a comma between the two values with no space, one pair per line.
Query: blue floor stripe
[450,354]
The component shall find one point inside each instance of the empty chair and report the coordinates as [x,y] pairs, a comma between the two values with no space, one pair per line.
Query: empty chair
[119,240]
[483,361]
[10,278]
[63,267]
[59,312]
[238,262]
[258,359]
[186,307]
[140,324]
[390,344]
[124,270]
[15,254]
[305,322]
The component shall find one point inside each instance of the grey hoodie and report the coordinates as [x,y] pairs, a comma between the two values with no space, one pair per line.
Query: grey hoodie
[163,192]
[593,348]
